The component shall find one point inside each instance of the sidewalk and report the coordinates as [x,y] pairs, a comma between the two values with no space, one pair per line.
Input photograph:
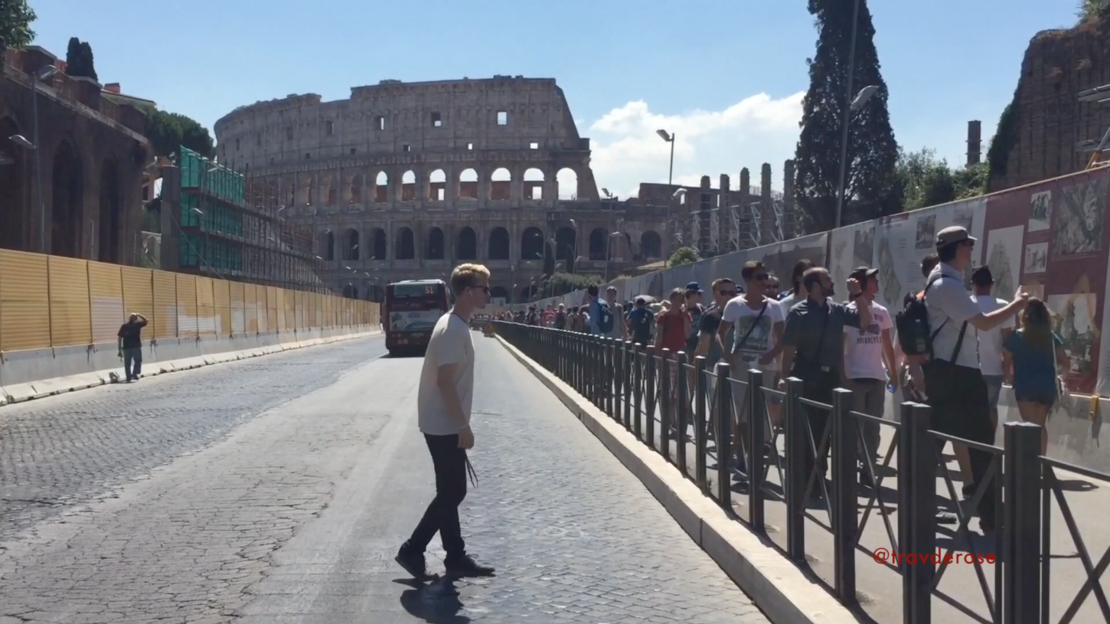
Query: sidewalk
[15,393]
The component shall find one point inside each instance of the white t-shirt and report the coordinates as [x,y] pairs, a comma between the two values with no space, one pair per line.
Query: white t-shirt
[990,342]
[789,302]
[451,343]
[762,337]
[863,349]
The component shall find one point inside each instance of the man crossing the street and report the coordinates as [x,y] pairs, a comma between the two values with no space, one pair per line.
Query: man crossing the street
[444,401]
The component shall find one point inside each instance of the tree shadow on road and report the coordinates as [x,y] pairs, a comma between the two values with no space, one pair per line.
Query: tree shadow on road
[436,602]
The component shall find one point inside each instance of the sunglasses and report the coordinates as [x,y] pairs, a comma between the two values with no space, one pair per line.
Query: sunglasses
[762,277]
[727,293]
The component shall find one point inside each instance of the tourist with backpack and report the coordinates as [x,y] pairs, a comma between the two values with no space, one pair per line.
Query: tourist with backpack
[615,323]
[956,389]
[600,320]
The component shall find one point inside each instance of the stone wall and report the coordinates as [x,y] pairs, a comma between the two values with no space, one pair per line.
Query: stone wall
[90,164]
[1046,120]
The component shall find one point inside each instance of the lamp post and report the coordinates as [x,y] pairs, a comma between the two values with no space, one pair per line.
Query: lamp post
[852,105]
[43,73]
[669,138]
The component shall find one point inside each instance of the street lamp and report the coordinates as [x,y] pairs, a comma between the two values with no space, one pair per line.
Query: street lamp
[678,196]
[669,138]
[43,73]
[854,104]
[857,103]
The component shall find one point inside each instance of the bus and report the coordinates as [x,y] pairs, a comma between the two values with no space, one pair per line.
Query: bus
[412,308]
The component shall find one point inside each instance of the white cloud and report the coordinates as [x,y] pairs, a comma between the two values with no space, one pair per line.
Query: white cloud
[758,129]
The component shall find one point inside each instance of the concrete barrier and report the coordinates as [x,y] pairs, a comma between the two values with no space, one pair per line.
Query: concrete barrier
[26,375]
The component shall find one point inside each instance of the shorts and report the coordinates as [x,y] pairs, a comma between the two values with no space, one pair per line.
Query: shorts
[994,388]
[1045,399]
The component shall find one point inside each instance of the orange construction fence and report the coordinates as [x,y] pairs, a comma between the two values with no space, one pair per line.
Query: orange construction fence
[52,301]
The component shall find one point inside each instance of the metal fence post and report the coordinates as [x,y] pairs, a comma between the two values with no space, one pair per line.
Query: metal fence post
[917,508]
[724,432]
[626,381]
[756,462]
[795,433]
[637,391]
[1021,525]
[667,404]
[614,379]
[844,518]
[682,412]
[699,422]
[650,407]
[613,385]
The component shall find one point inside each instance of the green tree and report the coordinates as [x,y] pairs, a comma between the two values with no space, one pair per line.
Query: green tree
[927,181]
[16,17]
[563,283]
[79,60]
[681,256]
[167,132]
[871,188]
[1092,9]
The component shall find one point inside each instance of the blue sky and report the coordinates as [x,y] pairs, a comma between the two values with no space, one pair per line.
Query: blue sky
[726,75]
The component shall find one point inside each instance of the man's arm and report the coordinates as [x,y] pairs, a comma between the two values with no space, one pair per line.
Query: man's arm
[445,380]
[959,307]
[888,353]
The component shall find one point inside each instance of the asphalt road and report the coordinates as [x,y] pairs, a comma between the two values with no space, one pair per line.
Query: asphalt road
[278,489]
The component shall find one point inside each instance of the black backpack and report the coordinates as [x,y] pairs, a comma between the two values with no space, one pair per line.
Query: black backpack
[912,324]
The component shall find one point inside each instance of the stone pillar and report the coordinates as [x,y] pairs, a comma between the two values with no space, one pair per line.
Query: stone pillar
[703,217]
[790,227]
[686,220]
[766,207]
[749,232]
[724,216]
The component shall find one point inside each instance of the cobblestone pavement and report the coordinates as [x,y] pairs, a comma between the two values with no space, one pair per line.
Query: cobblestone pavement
[61,450]
[575,537]
[295,515]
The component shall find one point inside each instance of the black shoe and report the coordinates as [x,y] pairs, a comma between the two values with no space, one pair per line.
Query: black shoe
[968,490]
[466,566]
[413,562]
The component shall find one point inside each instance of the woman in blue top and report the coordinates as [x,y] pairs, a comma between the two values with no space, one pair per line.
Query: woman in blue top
[1031,355]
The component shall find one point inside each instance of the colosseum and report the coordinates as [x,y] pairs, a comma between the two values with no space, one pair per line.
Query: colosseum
[404,180]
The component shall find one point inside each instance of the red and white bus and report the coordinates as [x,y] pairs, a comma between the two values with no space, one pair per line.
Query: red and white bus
[412,308]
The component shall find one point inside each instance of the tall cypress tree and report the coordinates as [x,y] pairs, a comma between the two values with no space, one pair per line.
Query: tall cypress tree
[79,59]
[871,184]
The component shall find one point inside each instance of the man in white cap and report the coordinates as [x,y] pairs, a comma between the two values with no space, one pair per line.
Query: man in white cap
[955,385]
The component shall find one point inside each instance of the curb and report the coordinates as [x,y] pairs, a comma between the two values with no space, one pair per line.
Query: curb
[18,393]
[777,586]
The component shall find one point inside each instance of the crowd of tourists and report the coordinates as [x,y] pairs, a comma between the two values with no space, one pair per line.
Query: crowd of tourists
[949,347]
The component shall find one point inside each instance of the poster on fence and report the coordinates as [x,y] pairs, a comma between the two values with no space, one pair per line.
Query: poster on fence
[850,247]
[1051,239]
[902,241]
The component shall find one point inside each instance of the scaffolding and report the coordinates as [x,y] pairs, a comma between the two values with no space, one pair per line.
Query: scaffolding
[231,227]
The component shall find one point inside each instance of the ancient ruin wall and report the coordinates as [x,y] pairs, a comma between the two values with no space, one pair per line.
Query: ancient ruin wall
[1037,135]
[413,142]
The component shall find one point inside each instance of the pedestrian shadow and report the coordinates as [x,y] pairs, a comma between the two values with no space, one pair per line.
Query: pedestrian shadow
[436,602]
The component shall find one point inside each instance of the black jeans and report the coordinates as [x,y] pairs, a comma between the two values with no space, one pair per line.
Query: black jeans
[961,408]
[818,385]
[442,515]
[133,362]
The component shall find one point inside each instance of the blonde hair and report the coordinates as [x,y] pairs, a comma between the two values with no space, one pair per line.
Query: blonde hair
[465,275]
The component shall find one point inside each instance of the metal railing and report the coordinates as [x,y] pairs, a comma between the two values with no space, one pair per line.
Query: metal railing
[769,446]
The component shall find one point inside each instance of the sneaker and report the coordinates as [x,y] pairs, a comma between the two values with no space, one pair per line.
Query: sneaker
[412,562]
[466,566]
[947,517]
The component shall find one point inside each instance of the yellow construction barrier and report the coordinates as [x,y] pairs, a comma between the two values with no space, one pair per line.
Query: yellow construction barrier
[52,301]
